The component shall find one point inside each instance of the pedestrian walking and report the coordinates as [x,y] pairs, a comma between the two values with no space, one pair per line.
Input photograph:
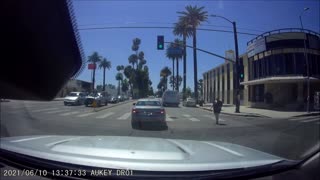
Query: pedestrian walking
[216,106]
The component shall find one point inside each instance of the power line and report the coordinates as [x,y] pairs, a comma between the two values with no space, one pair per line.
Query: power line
[159,27]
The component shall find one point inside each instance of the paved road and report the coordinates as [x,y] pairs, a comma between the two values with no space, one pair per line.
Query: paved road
[288,138]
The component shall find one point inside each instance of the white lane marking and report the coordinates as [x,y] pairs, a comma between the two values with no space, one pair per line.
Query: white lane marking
[125,116]
[225,149]
[194,119]
[41,110]
[211,117]
[301,119]
[105,115]
[311,120]
[69,113]
[86,114]
[186,115]
[58,111]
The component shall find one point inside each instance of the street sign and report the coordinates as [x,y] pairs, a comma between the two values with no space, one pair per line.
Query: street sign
[91,66]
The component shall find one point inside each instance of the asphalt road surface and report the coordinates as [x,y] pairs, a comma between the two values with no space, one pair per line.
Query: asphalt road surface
[288,138]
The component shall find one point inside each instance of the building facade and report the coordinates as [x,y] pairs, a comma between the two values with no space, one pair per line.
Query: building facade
[74,85]
[274,72]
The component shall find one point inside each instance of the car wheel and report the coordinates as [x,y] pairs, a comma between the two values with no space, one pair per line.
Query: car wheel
[134,124]
[86,104]
[65,103]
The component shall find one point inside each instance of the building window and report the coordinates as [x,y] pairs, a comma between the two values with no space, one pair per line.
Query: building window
[300,63]
[289,63]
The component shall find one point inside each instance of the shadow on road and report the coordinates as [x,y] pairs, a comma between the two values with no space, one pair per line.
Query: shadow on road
[221,124]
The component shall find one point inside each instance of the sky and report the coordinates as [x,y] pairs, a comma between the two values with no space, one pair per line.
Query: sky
[254,17]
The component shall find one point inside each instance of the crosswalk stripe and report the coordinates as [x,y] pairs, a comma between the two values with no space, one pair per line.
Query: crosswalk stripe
[301,119]
[311,120]
[125,116]
[41,110]
[105,115]
[86,114]
[58,111]
[168,119]
[194,119]
[69,113]
[186,115]
[211,117]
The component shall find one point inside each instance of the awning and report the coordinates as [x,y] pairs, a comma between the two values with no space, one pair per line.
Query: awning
[283,79]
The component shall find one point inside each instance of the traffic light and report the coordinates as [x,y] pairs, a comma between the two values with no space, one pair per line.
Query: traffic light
[241,73]
[160,43]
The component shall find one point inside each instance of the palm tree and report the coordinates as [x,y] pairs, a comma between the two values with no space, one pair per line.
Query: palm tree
[119,78]
[177,44]
[193,16]
[172,58]
[165,73]
[94,58]
[105,64]
[182,28]
[133,59]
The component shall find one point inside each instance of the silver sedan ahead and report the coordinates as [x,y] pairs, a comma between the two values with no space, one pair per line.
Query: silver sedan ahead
[148,111]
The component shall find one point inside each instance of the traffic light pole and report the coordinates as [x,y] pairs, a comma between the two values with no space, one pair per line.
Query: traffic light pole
[236,74]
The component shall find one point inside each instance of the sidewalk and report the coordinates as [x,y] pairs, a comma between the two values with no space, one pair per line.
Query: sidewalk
[255,112]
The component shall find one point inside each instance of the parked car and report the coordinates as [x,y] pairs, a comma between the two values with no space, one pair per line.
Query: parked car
[189,102]
[74,98]
[147,111]
[125,97]
[100,98]
[113,99]
[170,98]
[120,98]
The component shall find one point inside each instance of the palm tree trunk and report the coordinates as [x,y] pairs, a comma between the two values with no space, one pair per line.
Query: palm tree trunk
[177,77]
[195,64]
[104,78]
[184,66]
[93,78]
[173,74]
[118,87]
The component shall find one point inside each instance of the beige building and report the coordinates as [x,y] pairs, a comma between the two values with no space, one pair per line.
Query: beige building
[275,72]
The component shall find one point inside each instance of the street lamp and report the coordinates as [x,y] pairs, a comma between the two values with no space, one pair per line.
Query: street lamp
[236,73]
[306,59]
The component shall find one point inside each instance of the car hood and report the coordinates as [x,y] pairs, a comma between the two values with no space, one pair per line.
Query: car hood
[139,153]
[71,98]
[92,97]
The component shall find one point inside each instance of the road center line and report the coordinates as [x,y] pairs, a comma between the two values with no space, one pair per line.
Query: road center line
[211,117]
[125,116]
[105,115]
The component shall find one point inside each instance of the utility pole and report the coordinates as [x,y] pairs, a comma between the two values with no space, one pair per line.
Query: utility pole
[236,74]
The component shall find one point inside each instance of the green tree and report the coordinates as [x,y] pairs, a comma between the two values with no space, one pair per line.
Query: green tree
[182,28]
[200,87]
[172,58]
[125,86]
[165,73]
[104,64]
[177,81]
[119,78]
[188,92]
[178,44]
[194,16]
[94,58]
[111,86]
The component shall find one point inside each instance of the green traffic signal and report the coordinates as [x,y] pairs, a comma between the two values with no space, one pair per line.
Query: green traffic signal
[160,42]
[241,75]
[160,46]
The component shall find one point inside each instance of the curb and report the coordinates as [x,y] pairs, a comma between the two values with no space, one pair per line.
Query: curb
[107,107]
[232,114]
[309,114]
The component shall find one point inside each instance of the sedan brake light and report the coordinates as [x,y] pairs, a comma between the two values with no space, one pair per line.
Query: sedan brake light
[162,111]
[134,111]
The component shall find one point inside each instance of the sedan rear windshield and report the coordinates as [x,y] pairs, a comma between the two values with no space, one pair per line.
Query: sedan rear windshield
[73,94]
[148,103]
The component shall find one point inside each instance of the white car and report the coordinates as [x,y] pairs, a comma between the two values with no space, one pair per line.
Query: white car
[189,102]
[74,98]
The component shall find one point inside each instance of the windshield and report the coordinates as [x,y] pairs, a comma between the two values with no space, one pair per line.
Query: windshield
[245,73]
[148,103]
[73,94]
